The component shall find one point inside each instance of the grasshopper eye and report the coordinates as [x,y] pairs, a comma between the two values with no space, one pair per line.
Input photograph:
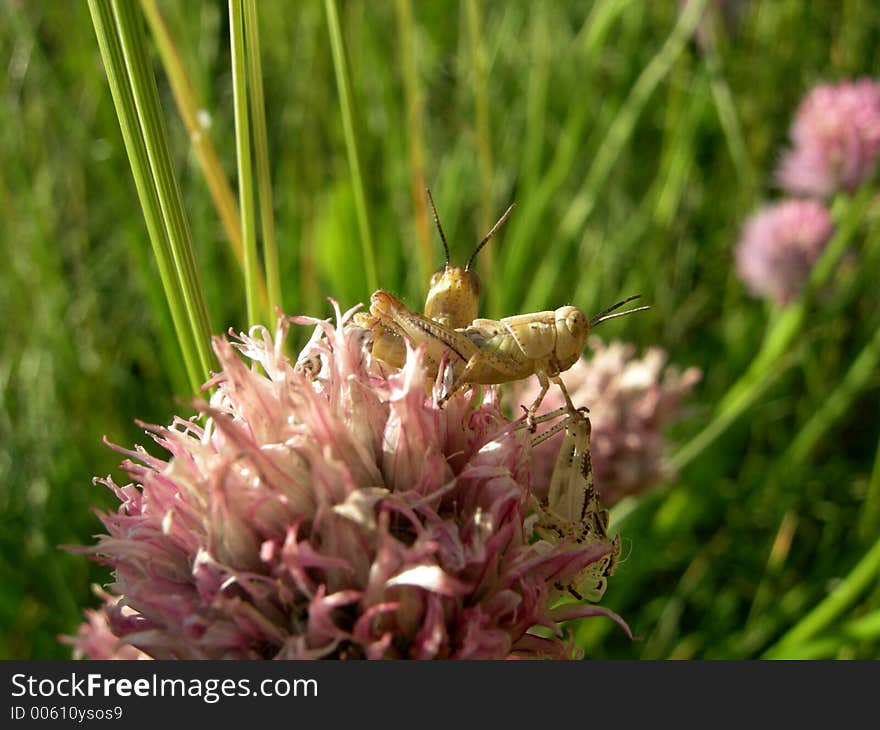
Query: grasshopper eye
[437,276]
[576,323]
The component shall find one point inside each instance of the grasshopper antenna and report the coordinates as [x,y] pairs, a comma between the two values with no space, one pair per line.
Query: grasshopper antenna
[437,222]
[489,235]
[605,314]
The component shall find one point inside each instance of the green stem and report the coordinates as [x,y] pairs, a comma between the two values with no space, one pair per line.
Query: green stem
[847,591]
[188,105]
[413,101]
[120,89]
[859,375]
[730,125]
[780,337]
[357,182]
[869,522]
[129,26]
[243,155]
[261,152]
[483,136]
[858,631]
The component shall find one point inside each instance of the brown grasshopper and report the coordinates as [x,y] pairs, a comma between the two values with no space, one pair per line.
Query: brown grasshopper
[571,510]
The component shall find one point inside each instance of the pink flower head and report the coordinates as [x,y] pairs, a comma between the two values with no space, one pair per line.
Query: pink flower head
[836,136]
[631,401]
[780,244]
[330,510]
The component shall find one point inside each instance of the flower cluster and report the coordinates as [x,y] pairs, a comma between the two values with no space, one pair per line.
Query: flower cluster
[836,143]
[779,245]
[836,135]
[330,510]
[631,401]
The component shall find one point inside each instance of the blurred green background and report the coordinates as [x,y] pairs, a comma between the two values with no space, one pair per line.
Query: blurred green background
[633,152]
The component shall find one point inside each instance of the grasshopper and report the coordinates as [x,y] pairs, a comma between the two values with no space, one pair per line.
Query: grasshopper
[490,351]
[481,351]
[452,301]
[571,510]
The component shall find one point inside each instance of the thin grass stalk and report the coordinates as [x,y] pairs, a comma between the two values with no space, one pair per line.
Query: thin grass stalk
[415,145]
[360,199]
[835,405]
[567,145]
[621,128]
[188,105]
[860,578]
[857,631]
[730,125]
[243,156]
[261,154]
[129,25]
[618,135]
[780,336]
[535,99]
[135,145]
[476,44]
[869,521]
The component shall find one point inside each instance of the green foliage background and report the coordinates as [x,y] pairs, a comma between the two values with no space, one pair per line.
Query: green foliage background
[633,162]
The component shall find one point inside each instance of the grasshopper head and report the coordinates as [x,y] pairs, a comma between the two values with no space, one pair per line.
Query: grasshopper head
[572,328]
[453,296]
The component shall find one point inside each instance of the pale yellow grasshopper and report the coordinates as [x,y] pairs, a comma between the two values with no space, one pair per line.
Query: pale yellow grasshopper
[490,352]
[484,351]
[571,510]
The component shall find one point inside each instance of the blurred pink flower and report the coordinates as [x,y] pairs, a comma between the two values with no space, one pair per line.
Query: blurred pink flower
[96,640]
[327,510]
[779,245]
[836,136]
[631,401]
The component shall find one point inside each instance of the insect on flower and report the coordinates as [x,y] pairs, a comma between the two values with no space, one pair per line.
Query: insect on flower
[489,351]
[482,351]
[452,301]
[571,510]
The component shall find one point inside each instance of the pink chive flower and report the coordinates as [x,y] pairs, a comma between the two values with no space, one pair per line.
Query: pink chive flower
[331,510]
[836,136]
[631,401]
[779,245]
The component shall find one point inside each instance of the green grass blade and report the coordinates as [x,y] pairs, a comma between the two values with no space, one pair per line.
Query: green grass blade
[114,63]
[616,138]
[360,199]
[261,154]
[477,52]
[188,106]
[146,99]
[869,522]
[243,155]
[415,141]
[860,578]
[835,405]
